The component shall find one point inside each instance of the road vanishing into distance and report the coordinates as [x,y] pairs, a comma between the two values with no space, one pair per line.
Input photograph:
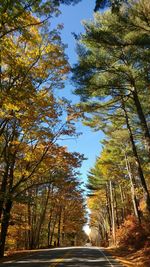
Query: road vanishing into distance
[66,257]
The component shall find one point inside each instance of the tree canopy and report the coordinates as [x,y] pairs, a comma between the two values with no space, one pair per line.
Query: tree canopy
[36,172]
[112,80]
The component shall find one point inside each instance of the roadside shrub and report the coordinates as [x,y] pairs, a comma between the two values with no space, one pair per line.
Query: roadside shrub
[133,235]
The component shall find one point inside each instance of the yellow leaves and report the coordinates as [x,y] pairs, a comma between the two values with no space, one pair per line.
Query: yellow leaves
[34,57]
[142,206]
[49,48]
[11,106]
[97,199]
[28,157]
[2,114]
[33,64]
[90,202]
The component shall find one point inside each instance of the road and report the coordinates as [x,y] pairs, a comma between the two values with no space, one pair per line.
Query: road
[66,257]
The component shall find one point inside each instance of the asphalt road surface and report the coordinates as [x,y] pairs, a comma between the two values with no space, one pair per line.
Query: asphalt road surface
[66,257]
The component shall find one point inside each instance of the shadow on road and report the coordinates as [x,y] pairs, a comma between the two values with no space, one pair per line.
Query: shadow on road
[67,257]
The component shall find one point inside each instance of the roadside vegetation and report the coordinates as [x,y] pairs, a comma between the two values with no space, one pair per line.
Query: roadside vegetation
[112,78]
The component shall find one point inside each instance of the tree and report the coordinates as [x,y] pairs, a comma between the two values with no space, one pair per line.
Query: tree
[114,4]
[106,68]
[50,211]
[17,16]
[33,64]
[108,78]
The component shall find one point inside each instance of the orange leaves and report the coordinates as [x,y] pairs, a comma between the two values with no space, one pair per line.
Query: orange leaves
[132,234]
[18,226]
[32,120]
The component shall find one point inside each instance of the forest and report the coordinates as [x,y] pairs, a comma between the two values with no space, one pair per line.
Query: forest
[43,202]
[41,197]
[112,77]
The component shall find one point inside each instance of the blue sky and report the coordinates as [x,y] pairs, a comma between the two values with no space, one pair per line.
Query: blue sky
[89,142]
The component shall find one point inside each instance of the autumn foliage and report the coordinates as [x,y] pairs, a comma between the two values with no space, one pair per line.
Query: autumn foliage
[112,79]
[37,173]
[133,235]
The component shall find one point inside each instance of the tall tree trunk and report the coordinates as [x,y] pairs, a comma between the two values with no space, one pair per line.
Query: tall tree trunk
[8,204]
[137,160]
[42,217]
[49,228]
[3,189]
[108,206]
[134,198]
[142,119]
[59,228]
[123,203]
[29,225]
[4,226]
[53,229]
[116,207]
[113,214]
